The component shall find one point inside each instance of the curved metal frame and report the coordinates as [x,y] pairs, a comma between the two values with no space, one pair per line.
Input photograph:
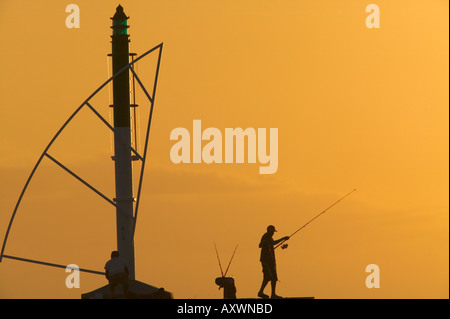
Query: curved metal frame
[45,152]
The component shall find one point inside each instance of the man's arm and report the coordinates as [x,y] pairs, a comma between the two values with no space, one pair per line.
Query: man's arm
[280,240]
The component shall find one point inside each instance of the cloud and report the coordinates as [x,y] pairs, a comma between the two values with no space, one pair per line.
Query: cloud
[222,179]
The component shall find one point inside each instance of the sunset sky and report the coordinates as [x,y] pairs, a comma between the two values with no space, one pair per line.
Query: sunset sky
[354,107]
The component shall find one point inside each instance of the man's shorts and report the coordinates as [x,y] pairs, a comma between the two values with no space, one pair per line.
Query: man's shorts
[120,278]
[269,271]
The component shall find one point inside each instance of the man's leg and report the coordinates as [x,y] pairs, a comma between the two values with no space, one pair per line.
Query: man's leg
[261,290]
[274,282]
[125,284]
[266,279]
[112,287]
[274,295]
[274,286]
[263,285]
[122,278]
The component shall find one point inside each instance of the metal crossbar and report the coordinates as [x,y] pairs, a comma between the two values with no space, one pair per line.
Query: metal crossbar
[112,129]
[138,197]
[52,264]
[80,179]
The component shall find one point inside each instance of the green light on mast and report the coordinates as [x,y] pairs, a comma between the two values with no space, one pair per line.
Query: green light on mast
[120,22]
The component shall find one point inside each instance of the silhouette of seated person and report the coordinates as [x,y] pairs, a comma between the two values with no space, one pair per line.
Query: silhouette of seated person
[117,273]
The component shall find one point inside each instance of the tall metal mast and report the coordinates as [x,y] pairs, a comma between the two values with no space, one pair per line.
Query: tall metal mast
[122,141]
[126,210]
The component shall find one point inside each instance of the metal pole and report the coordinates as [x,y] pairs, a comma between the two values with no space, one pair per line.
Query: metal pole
[122,139]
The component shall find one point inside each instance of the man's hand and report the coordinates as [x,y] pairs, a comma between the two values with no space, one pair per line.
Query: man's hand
[285,238]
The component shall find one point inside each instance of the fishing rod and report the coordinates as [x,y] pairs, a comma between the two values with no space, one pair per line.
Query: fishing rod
[284,246]
[226,271]
[217,253]
[227,283]
[220,266]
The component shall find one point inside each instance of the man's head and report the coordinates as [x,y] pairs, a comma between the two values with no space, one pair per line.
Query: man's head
[115,253]
[271,229]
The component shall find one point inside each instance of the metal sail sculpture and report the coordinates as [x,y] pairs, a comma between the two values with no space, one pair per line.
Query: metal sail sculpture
[125,204]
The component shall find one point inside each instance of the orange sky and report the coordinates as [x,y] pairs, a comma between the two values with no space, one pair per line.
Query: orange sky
[354,107]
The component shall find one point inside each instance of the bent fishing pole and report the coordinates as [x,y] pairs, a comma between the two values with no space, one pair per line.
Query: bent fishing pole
[284,246]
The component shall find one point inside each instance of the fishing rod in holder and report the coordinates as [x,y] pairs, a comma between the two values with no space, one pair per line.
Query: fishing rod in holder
[227,283]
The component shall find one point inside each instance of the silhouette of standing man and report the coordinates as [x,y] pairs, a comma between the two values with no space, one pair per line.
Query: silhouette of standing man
[268,261]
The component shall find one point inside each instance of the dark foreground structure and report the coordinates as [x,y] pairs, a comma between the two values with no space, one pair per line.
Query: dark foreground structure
[137,290]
